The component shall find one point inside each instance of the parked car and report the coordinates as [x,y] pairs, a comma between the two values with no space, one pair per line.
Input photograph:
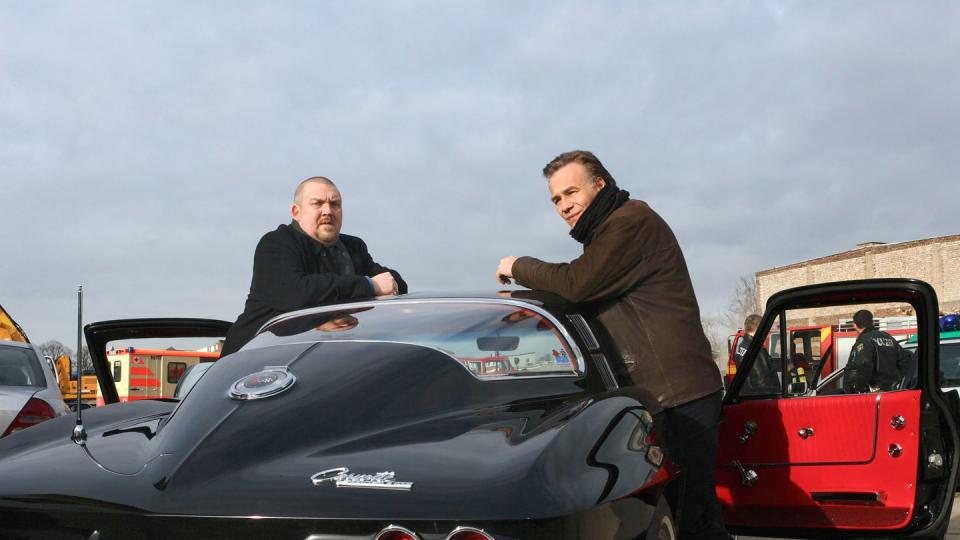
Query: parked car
[372,420]
[29,393]
[949,359]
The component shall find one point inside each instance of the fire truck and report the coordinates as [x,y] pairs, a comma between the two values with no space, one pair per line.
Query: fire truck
[150,373]
[821,349]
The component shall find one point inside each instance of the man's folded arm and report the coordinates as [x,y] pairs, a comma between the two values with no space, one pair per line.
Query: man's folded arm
[372,268]
[609,267]
[284,286]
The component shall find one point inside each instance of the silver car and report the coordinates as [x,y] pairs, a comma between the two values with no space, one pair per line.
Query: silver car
[29,393]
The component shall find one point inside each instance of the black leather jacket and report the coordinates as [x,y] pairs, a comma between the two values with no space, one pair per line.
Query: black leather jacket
[873,363]
[763,377]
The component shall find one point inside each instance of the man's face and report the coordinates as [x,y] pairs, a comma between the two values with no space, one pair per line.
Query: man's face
[319,212]
[572,190]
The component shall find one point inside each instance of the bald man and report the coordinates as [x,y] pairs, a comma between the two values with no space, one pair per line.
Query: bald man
[309,263]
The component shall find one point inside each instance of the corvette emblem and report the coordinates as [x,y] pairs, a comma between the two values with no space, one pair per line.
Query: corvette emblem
[341,477]
[269,382]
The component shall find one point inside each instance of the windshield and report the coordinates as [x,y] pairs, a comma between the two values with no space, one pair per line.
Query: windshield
[491,339]
[19,367]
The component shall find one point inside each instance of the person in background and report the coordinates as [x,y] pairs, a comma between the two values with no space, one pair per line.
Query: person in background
[875,359]
[763,374]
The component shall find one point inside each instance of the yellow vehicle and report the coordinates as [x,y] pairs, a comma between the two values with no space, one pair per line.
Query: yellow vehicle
[150,373]
[68,384]
[9,329]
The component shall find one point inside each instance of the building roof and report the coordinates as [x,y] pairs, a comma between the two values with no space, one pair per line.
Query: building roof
[861,249]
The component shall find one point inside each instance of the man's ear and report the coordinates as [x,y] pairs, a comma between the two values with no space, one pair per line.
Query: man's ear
[601,183]
[295,211]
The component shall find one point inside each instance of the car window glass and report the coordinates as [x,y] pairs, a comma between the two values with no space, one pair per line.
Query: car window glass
[814,343]
[491,339]
[764,375]
[152,368]
[950,364]
[19,367]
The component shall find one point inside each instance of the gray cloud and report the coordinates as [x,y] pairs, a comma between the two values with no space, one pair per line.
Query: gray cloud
[145,148]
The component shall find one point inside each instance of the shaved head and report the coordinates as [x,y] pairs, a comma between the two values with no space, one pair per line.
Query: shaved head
[298,194]
[318,209]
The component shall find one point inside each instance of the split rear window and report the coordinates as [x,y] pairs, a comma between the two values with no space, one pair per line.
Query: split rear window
[492,340]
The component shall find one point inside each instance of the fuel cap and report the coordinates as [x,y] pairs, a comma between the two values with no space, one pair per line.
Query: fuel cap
[271,381]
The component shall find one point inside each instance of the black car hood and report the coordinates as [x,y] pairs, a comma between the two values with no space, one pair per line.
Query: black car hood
[471,448]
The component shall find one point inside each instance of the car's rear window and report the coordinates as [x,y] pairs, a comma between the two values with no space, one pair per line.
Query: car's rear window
[19,367]
[491,340]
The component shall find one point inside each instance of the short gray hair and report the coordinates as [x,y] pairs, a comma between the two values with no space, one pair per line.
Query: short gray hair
[317,179]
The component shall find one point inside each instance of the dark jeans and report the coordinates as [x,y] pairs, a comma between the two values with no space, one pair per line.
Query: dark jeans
[689,434]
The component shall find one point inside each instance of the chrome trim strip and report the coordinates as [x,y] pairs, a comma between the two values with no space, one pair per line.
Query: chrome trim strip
[445,353]
[395,528]
[581,361]
[606,373]
[584,330]
[462,528]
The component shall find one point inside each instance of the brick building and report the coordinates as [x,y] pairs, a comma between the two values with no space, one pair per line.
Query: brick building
[934,260]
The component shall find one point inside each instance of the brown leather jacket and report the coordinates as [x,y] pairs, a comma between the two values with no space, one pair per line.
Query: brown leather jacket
[635,280]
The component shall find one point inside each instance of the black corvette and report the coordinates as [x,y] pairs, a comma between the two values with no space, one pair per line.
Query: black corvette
[473,417]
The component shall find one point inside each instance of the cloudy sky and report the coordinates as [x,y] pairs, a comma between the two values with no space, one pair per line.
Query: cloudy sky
[146,147]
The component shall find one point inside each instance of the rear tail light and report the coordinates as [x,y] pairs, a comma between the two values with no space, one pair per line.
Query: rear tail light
[468,533]
[34,412]
[395,532]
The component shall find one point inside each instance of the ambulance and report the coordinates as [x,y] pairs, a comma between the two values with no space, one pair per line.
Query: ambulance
[150,373]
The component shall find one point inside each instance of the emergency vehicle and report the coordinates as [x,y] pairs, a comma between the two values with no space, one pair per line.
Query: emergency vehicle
[821,349]
[150,373]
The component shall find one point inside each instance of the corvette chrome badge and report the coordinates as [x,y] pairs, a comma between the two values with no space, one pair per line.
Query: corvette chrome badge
[269,382]
[341,477]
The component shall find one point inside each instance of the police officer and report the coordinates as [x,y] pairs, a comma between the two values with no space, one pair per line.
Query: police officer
[873,362]
[763,375]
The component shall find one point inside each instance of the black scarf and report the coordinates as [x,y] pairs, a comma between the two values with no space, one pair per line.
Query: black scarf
[607,200]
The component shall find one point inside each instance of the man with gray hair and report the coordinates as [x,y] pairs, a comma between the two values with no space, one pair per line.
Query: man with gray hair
[633,279]
[309,263]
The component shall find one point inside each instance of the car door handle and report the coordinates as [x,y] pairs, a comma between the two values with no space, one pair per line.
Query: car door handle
[749,428]
[135,389]
[805,432]
[748,477]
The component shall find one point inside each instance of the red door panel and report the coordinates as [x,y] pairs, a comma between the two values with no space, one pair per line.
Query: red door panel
[841,421]
[843,475]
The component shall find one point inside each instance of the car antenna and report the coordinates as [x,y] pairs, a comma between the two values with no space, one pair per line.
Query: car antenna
[79,433]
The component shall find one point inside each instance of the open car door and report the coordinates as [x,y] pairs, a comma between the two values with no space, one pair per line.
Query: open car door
[800,458]
[101,335]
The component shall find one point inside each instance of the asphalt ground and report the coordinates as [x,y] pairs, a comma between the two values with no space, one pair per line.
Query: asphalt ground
[953,532]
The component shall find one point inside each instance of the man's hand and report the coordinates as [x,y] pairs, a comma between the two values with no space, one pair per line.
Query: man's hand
[384,284]
[505,270]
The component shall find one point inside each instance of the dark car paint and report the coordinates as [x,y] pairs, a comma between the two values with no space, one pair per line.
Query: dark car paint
[366,406]
[573,463]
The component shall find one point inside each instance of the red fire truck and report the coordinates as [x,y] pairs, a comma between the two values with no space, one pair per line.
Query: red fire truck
[822,349]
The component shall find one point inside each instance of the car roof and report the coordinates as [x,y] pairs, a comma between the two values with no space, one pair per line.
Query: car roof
[952,334]
[18,344]
[552,303]
[537,298]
